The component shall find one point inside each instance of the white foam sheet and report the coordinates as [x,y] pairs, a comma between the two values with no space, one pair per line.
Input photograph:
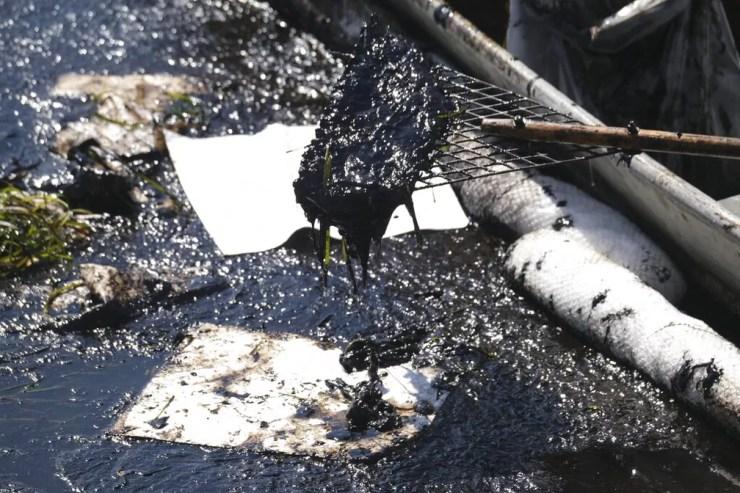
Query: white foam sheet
[232,387]
[241,187]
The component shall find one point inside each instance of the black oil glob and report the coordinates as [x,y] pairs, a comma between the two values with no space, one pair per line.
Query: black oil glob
[374,139]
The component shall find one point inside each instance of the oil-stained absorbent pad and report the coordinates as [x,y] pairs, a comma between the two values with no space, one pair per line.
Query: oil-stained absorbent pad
[233,387]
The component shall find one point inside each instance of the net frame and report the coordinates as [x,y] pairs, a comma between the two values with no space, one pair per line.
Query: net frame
[469,154]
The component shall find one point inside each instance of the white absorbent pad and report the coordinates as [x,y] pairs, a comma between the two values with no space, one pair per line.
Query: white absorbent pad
[241,187]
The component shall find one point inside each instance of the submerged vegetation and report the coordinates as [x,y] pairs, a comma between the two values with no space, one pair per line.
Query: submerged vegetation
[35,227]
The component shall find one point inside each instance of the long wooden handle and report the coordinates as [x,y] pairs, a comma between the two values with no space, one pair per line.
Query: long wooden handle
[629,139]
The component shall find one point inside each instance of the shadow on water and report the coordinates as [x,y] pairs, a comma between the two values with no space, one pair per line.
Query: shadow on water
[627,470]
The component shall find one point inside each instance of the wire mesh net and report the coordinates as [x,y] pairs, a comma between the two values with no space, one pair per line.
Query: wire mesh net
[469,153]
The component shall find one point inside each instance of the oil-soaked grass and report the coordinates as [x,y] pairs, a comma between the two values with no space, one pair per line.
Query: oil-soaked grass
[36,227]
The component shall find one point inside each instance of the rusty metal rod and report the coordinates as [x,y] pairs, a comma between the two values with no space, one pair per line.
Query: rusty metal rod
[630,139]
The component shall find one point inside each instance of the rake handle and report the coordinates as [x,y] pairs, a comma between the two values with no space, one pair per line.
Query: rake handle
[619,137]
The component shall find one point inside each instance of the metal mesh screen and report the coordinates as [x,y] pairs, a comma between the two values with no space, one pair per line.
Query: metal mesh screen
[468,153]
